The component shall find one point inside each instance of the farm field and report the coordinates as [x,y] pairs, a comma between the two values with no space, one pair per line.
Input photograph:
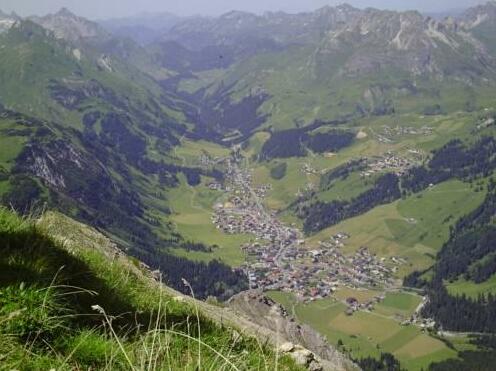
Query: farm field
[370,333]
[398,305]
[414,228]
[192,210]
[345,190]
[190,151]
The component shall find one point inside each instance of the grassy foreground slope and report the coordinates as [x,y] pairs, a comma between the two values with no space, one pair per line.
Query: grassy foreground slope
[70,300]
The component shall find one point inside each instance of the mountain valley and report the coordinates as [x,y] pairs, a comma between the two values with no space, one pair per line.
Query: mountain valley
[335,167]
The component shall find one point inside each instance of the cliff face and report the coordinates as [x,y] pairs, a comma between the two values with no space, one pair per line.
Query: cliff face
[303,343]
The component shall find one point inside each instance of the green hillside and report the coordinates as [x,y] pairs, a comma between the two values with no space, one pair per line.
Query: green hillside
[342,159]
[90,135]
[69,299]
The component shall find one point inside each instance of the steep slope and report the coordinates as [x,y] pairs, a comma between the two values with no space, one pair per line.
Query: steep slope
[481,21]
[69,298]
[338,63]
[70,27]
[92,136]
[100,44]
[7,21]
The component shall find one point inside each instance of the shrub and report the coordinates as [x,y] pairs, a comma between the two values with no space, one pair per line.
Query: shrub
[279,171]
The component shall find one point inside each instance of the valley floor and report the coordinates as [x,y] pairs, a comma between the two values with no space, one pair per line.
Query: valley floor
[350,294]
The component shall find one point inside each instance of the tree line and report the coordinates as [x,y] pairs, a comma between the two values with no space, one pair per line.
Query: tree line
[296,142]
[455,160]
[320,215]
[469,253]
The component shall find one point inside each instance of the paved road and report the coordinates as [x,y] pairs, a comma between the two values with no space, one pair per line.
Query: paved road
[264,214]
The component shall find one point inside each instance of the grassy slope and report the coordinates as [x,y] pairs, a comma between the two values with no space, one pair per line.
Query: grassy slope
[54,274]
[192,210]
[284,191]
[386,231]
[472,289]
[303,88]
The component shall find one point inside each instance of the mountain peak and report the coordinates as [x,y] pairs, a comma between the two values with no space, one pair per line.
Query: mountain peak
[7,21]
[346,7]
[64,12]
[68,26]
[475,16]
[236,14]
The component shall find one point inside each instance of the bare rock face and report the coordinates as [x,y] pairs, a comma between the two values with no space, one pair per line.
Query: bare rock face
[286,347]
[65,25]
[6,21]
[301,342]
[302,356]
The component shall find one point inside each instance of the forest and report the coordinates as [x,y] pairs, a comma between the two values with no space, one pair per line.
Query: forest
[482,359]
[296,142]
[469,253]
[455,160]
[320,215]
[206,279]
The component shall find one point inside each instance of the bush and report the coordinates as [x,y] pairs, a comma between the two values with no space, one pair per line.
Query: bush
[279,171]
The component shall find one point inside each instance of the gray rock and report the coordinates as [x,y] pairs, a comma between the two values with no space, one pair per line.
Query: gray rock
[286,347]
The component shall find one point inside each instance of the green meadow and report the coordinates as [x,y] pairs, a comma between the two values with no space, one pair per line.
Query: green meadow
[472,289]
[369,333]
[192,210]
[414,228]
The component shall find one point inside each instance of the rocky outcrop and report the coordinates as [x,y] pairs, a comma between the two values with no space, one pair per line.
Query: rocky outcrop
[67,26]
[307,348]
[301,356]
[7,21]
[301,342]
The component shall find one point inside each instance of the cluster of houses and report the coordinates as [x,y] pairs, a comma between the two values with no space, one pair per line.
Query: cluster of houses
[216,186]
[308,169]
[277,258]
[353,305]
[406,130]
[243,213]
[417,320]
[389,134]
[389,162]
[238,217]
[207,161]
[314,274]
[491,121]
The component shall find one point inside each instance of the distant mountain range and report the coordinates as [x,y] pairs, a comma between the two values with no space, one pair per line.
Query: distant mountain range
[92,116]
[144,28]
[334,62]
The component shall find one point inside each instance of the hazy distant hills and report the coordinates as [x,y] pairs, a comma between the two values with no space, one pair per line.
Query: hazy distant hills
[144,28]
[336,61]
[87,132]
[84,91]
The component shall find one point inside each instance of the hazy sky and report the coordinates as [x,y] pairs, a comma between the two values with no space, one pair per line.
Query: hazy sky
[98,9]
